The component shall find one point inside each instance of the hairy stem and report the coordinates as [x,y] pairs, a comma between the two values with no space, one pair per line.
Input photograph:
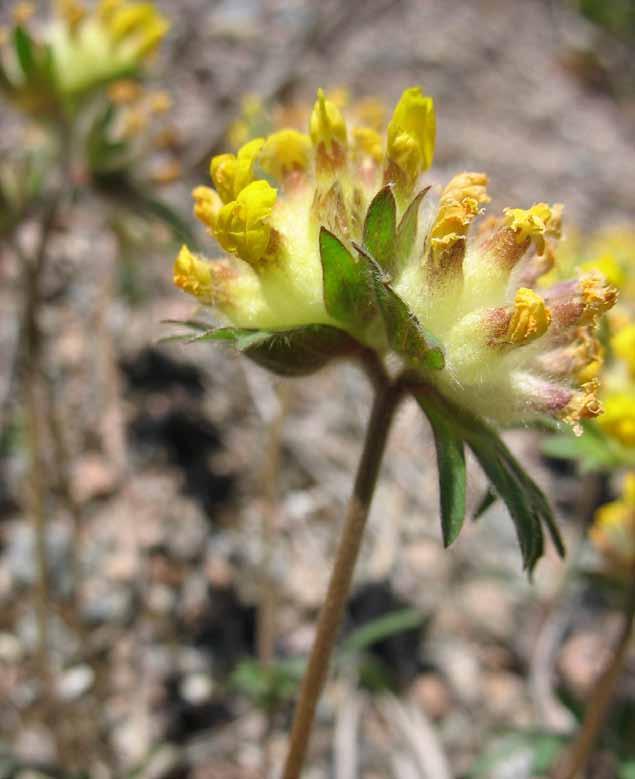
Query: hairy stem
[597,709]
[387,396]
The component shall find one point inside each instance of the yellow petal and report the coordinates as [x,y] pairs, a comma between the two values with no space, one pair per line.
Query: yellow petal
[243,226]
[411,134]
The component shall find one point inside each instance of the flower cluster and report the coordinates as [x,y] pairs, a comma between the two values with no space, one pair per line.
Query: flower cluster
[509,351]
[76,51]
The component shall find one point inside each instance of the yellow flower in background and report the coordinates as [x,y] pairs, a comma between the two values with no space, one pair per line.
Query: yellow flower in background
[510,352]
[92,47]
[79,49]
[613,530]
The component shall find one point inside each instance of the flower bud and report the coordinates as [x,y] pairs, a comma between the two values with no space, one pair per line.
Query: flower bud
[521,323]
[459,205]
[243,226]
[327,129]
[285,153]
[410,139]
[232,173]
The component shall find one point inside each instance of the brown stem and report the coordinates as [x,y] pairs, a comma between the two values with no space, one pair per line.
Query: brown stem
[578,755]
[387,396]
[32,273]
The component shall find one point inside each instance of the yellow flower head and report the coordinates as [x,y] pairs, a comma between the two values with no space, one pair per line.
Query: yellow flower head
[91,47]
[509,352]
[613,530]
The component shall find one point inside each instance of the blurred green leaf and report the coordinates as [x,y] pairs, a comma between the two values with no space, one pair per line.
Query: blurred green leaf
[24,50]
[523,755]
[271,685]
[593,450]
[381,628]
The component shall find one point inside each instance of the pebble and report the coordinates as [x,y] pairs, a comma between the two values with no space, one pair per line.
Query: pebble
[75,682]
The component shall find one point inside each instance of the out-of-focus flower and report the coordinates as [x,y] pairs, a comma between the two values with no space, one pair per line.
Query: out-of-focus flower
[613,530]
[498,347]
[77,51]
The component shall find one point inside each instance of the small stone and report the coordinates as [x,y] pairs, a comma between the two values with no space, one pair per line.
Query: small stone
[197,688]
[582,659]
[93,477]
[35,744]
[432,693]
[74,682]
[10,648]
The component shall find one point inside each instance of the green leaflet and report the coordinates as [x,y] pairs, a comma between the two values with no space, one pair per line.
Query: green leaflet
[407,230]
[451,464]
[348,294]
[525,501]
[404,332]
[380,228]
[296,352]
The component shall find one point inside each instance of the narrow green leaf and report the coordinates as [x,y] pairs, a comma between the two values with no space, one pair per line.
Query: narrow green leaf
[296,352]
[24,51]
[489,498]
[382,628]
[451,464]
[407,230]
[525,501]
[348,289]
[380,228]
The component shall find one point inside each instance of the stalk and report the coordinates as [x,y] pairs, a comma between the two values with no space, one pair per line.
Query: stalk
[580,752]
[386,399]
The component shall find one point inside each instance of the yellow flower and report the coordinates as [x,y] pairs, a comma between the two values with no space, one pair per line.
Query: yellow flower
[243,226]
[284,153]
[618,420]
[327,129]
[232,173]
[530,224]
[613,530]
[510,353]
[623,344]
[411,138]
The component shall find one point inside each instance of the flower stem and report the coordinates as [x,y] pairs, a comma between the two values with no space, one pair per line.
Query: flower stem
[387,396]
[578,756]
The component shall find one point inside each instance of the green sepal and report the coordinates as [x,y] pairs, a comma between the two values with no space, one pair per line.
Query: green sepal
[405,334]
[407,230]
[380,228]
[450,451]
[297,352]
[525,501]
[348,286]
